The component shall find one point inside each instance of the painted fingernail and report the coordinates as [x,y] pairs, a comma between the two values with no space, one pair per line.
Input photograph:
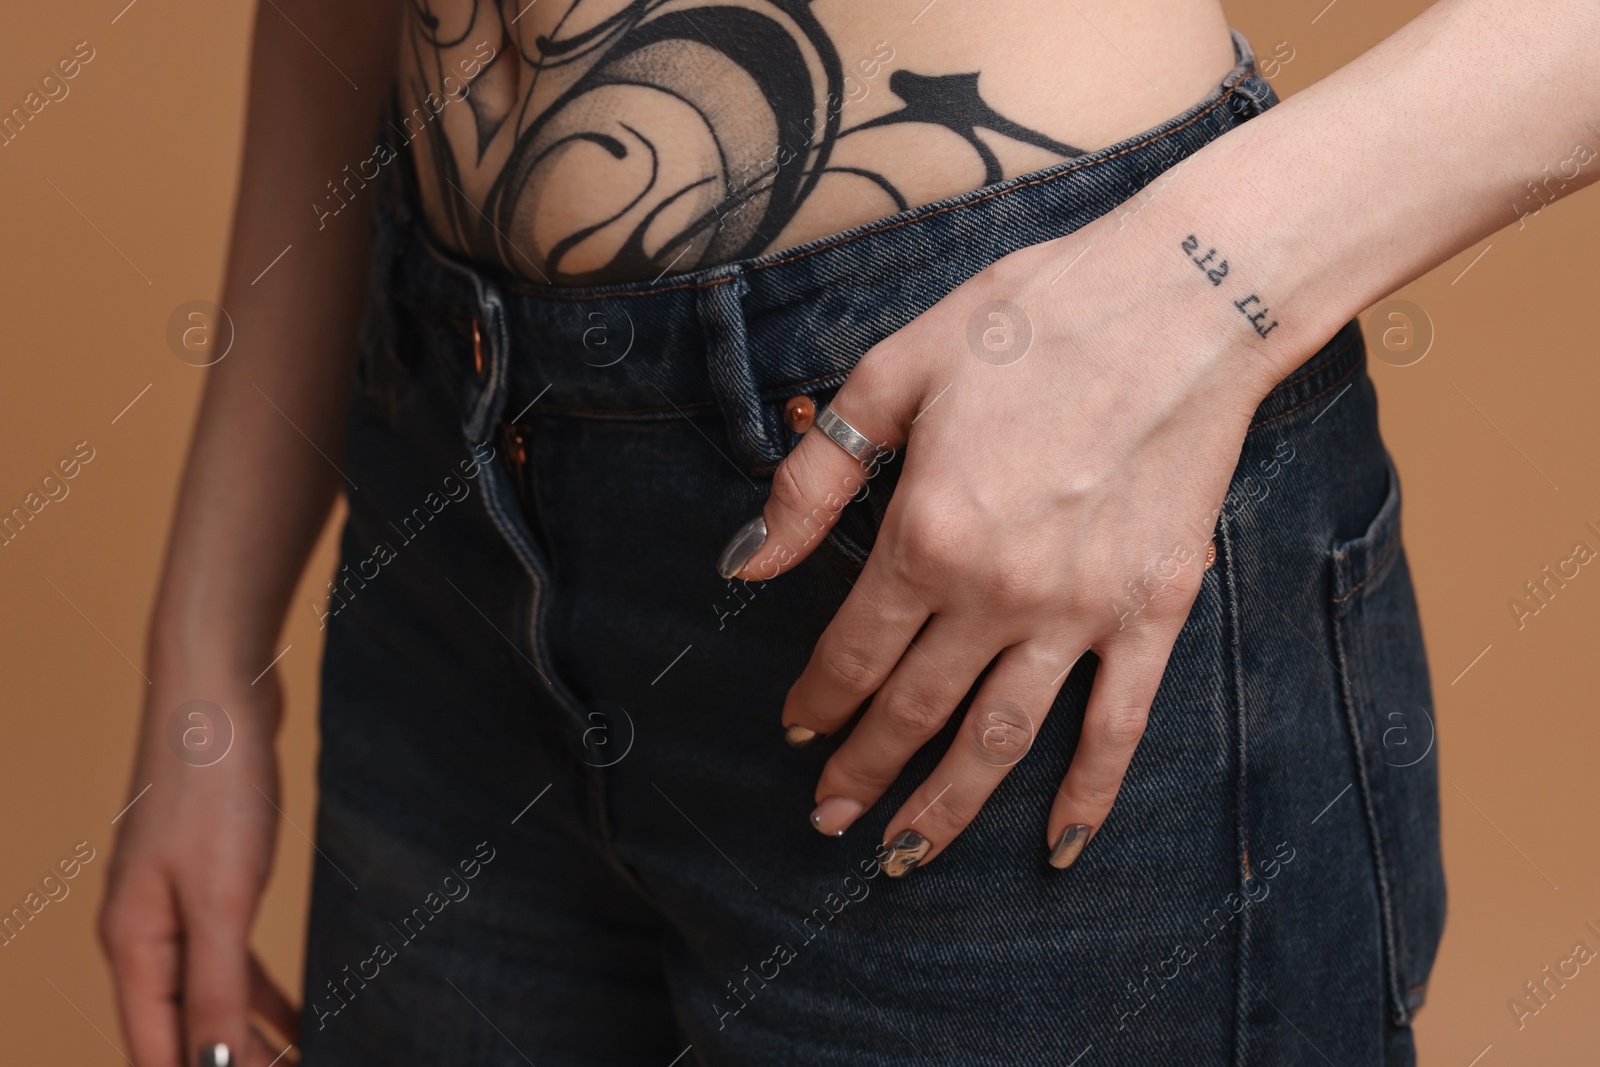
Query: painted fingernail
[1067,850]
[799,736]
[905,852]
[834,815]
[218,1055]
[745,544]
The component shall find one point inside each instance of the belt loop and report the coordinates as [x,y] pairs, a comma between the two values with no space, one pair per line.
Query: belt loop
[1252,94]
[755,438]
[1244,53]
[1258,93]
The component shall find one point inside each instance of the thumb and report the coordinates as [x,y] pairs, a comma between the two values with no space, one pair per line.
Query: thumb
[813,484]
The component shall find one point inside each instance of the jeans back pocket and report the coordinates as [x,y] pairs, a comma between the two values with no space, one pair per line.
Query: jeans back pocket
[1389,709]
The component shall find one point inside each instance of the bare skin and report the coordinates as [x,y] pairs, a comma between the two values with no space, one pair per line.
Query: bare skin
[1320,206]
[193,855]
[609,140]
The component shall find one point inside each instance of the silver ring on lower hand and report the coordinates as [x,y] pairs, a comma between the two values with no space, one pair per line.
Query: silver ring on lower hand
[846,436]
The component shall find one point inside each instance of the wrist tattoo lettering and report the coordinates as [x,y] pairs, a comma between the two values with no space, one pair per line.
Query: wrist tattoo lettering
[1213,274]
[1251,307]
[1255,319]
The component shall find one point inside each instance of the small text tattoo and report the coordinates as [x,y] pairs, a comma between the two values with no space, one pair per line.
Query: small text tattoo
[1214,274]
[1255,319]
[1251,307]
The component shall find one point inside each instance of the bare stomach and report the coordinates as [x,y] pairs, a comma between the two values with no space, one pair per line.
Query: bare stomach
[582,142]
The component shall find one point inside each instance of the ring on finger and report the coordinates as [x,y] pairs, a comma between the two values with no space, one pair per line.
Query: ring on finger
[847,437]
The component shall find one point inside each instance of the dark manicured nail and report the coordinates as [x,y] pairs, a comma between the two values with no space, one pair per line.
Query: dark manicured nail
[905,852]
[218,1055]
[746,543]
[799,736]
[1070,847]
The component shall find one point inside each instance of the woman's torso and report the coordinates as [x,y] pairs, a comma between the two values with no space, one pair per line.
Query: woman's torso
[592,141]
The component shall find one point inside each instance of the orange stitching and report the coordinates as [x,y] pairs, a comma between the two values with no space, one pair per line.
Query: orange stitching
[1312,399]
[1309,369]
[1373,572]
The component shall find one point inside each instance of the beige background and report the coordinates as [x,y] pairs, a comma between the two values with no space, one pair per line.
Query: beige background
[143,156]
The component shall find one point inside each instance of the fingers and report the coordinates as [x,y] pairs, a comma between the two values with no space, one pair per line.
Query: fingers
[873,629]
[1119,705]
[216,986]
[140,933]
[996,734]
[815,481]
[915,703]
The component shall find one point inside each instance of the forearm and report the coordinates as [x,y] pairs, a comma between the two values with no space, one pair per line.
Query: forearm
[1387,168]
[261,471]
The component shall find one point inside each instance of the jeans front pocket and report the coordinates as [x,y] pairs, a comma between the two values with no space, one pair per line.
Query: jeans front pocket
[1389,709]
[859,521]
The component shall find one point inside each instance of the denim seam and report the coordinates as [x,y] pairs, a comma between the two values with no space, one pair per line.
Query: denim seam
[606,843]
[719,351]
[725,357]
[1228,578]
[1397,1004]
[1310,368]
[625,414]
[843,239]
[507,526]
[748,431]
[1314,397]
[772,392]
[846,546]
[594,786]
[483,412]
[512,527]
[1374,571]
[1071,168]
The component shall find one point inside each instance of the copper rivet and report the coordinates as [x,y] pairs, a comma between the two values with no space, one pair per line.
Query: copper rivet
[477,348]
[1211,554]
[800,412]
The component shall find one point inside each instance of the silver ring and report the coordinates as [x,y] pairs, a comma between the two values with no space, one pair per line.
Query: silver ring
[847,437]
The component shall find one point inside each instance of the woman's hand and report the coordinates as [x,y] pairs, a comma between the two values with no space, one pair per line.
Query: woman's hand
[1069,429]
[192,856]
[1045,502]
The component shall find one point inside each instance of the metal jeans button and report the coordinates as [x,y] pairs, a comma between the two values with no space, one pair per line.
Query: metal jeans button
[799,412]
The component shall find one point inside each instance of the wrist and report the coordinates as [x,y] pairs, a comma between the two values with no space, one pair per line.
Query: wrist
[1245,268]
[206,648]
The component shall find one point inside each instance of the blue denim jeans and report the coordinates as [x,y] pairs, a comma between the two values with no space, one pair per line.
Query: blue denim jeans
[559,823]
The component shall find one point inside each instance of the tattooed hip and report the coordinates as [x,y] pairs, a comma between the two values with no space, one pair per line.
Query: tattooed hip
[618,140]
[557,661]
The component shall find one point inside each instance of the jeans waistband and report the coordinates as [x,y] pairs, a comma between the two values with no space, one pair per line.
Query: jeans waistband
[744,336]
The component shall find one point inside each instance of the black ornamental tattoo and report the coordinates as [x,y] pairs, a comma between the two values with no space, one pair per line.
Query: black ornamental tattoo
[760,83]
